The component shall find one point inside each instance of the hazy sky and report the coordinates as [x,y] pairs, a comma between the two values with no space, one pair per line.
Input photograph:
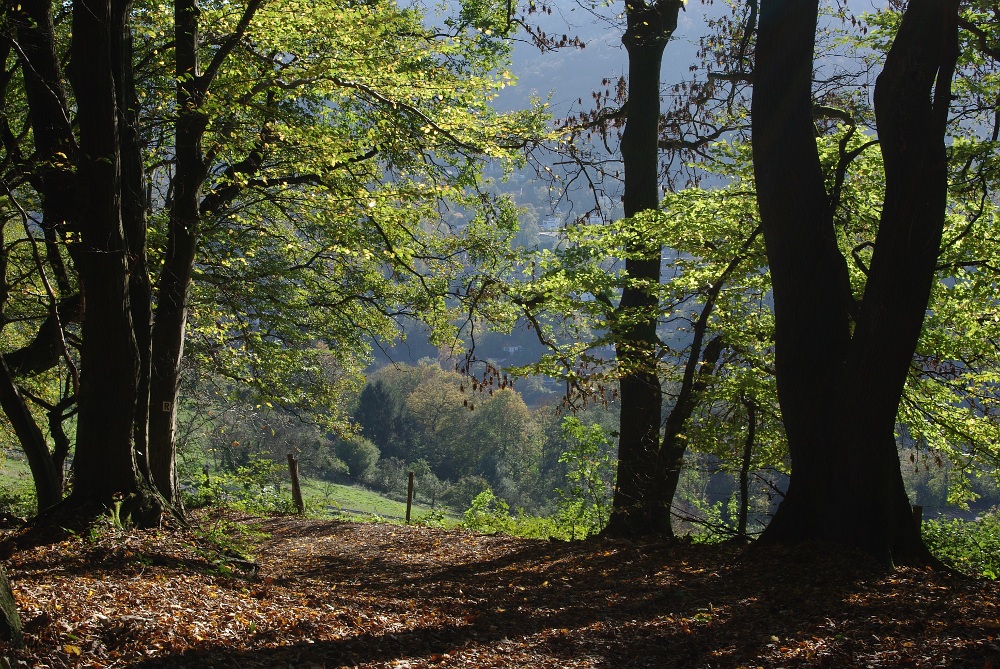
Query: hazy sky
[572,73]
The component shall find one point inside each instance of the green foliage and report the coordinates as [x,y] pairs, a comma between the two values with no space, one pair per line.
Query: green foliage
[491,515]
[463,492]
[488,514]
[433,518]
[970,546]
[370,203]
[359,454]
[389,475]
[585,504]
[254,487]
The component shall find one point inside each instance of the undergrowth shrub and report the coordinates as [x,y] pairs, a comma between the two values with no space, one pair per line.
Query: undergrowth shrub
[254,488]
[585,502]
[490,514]
[969,546]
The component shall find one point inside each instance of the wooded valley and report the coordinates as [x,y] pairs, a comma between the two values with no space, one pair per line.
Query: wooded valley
[741,290]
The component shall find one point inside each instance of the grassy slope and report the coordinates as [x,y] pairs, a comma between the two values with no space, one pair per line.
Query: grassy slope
[322,497]
[355,500]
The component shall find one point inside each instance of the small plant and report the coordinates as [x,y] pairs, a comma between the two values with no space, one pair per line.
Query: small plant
[433,518]
[585,504]
[230,537]
[969,546]
[488,514]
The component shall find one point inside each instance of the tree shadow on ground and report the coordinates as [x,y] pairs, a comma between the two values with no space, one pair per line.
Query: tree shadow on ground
[591,604]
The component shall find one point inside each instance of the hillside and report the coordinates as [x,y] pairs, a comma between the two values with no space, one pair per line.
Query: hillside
[331,594]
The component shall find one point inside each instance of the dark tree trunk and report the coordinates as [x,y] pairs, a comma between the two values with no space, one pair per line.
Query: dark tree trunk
[54,178]
[175,274]
[45,473]
[649,27]
[133,207]
[839,393]
[55,144]
[670,463]
[748,445]
[105,462]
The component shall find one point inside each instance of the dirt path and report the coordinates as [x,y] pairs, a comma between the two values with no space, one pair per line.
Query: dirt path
[332,594]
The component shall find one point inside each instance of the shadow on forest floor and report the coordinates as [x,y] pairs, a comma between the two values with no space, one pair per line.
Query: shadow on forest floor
[330,594]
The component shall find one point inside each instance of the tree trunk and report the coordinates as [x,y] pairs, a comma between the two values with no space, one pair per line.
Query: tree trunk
[839,393]
[649,27]
[133,207]
[55,153]
[669,464]
[46,476]
[55,145]
[105,463]
[748,445]
[175,275]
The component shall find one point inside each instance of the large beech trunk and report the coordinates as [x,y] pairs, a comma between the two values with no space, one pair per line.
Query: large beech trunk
[105,466]
[649,27]
[839,391]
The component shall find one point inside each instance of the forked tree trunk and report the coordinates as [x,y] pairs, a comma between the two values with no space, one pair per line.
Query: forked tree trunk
[649,27]
[191,170]
[839,393]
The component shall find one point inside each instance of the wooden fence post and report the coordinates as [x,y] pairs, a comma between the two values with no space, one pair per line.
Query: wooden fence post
[409,497]
[293,470]
[918,516]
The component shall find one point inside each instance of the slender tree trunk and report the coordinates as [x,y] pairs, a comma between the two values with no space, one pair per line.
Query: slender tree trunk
[48,112]
[839,392]
[134,205]
[649,27]
[669,464]
[46,476]
[175,274]
[191,170]
[55,153]
[744,512]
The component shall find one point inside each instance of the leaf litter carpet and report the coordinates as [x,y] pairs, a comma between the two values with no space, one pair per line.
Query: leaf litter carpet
[324,593]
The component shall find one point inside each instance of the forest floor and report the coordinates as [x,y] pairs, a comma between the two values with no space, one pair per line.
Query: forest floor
[321,593]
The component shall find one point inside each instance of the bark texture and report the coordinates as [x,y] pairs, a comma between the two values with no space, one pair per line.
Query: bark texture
[649,27]
[839,391]
[106,472]
[178,263]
